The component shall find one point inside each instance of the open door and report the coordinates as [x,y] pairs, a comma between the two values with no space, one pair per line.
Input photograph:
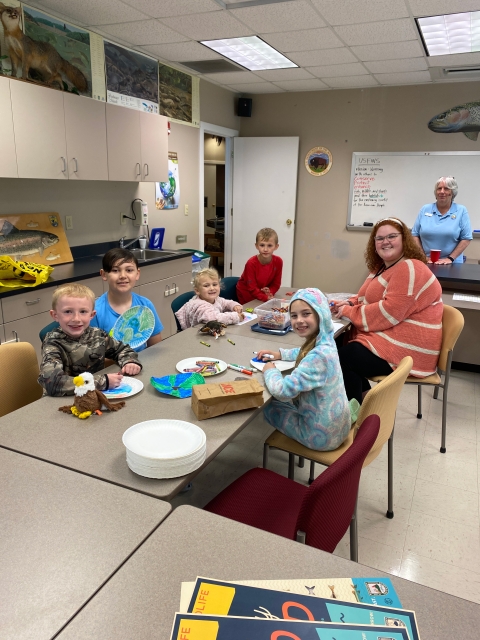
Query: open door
[264,195]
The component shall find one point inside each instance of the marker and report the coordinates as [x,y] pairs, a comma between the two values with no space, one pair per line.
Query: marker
[332,304]
[242,367]
[267,355]
[205,343]
[230,341]
[236,368]
[476,231]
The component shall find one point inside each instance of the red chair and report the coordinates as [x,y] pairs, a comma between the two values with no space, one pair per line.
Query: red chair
[318,515]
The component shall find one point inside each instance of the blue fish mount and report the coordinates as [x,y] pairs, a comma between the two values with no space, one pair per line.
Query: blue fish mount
[464,118]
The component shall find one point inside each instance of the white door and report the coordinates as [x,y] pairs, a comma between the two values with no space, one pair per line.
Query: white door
[264,195]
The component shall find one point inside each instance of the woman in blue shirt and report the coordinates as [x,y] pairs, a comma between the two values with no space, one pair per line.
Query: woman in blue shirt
[443,224]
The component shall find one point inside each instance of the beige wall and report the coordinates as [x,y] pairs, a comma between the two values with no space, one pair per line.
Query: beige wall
[218,106]
[213,151]
[382,119]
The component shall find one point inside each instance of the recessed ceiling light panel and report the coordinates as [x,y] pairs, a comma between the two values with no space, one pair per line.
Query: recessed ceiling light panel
[452,33]
[250,52]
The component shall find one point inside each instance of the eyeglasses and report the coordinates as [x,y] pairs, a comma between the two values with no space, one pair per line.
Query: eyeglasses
[390,237]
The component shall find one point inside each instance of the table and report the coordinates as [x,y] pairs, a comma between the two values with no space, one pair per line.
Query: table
[95,447]
[63,535]
[141,599]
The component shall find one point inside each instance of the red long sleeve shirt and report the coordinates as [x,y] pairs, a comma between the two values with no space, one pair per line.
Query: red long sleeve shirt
[257,276]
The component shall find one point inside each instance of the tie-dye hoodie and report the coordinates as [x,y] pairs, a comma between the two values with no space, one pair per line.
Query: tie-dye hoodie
[310,405]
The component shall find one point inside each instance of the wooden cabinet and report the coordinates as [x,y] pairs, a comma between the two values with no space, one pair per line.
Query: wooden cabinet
[86,134]
[38,118]
[27,330]
[123,144]
[154,147]
[161,293]
[8,156]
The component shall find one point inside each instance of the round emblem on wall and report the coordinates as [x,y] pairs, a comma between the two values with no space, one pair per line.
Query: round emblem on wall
[318,161]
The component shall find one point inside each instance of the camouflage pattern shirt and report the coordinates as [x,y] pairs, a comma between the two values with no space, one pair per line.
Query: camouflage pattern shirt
[64,357]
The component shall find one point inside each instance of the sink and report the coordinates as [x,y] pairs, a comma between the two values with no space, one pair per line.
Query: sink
[144,255]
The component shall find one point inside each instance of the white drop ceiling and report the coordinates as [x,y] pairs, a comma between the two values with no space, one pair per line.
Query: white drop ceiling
[338,44]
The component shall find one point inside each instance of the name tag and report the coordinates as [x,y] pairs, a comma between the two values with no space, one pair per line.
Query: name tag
[429,214]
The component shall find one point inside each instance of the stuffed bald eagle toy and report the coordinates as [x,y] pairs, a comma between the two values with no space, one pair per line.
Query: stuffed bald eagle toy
[88,400]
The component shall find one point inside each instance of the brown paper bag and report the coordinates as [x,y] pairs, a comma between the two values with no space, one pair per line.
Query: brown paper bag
[210,400]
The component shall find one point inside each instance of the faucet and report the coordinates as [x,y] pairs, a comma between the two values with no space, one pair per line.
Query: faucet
[124,245]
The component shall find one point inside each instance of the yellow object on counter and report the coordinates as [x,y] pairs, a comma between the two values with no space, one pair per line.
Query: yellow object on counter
[17,273]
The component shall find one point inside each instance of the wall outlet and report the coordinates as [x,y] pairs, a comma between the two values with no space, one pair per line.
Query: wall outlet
[122,219]
[180,239]
[186,209]
[69,222]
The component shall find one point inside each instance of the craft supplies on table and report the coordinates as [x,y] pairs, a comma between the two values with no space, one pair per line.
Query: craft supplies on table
[274,314]
[280,332]
[177,385]
[203,366]
[128,388]
[281,365]
[134,326]
[236,367]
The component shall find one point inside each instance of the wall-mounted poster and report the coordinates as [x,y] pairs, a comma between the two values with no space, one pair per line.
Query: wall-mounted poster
[167,194]
[465,118]
[132,78]
[42,49]
[179,95]
[36,237]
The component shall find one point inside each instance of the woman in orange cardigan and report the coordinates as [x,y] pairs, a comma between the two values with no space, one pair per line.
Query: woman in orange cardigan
[397,312]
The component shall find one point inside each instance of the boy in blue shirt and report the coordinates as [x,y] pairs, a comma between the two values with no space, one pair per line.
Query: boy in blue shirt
[120,270]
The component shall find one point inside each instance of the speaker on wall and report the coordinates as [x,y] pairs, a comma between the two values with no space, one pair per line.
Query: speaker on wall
[244,108]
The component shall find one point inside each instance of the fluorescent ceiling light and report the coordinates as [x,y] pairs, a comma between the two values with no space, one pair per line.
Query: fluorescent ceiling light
[250,52]
[452,33]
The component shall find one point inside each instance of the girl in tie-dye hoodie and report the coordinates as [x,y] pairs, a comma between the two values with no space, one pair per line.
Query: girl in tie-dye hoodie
[309,405]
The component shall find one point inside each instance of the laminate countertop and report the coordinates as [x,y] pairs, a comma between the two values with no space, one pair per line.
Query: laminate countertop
[465,275]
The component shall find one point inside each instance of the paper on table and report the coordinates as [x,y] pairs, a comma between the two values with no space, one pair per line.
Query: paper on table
[337,326]
[461,296]
[248,317]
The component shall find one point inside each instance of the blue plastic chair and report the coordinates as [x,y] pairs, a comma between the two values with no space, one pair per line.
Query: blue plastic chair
[228,288]
[47,329]
[178,304]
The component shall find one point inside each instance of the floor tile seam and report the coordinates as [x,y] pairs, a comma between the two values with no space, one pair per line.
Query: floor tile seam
[450,565]
[456,521]
[419,513]
[395,549]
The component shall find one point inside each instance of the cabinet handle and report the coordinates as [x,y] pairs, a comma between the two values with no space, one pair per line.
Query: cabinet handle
[175,288]
[29,302]
[145,166]
[139,171]
[76,166]
[166,293]
[64,170]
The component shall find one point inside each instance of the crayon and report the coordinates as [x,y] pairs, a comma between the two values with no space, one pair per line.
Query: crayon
[230,341]
[204,343]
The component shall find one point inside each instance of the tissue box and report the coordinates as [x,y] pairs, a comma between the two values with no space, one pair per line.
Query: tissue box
[210,400]
[269,316]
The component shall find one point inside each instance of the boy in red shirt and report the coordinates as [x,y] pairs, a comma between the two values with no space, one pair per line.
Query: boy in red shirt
[262,275]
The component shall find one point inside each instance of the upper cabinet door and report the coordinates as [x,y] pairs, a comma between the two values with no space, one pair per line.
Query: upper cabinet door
[8,156]
[86,131]
[154,135]
[39,125]
[123,143]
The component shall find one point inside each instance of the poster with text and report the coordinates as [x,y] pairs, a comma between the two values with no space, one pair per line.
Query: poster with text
[131,77]
[179,95]
[167,194]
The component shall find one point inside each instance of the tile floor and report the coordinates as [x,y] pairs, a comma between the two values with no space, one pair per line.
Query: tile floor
[434,538]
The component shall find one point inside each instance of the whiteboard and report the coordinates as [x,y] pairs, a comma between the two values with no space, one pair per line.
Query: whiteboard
[399,184]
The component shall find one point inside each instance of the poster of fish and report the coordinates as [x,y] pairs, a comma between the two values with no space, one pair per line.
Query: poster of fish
[44,50]
[465,118]
[34,237]
[167,194]
[131,77]
[179,95]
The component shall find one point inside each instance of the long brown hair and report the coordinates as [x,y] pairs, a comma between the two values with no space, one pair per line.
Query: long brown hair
[410,249]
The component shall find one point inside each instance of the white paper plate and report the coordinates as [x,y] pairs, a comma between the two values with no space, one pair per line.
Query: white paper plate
[163,439]
[281,365]
[122,391]
[166,473]
[190,363]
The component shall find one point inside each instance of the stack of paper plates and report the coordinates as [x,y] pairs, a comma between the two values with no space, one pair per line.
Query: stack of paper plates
[164,448]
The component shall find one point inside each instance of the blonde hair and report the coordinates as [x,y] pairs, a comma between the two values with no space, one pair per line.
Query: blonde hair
[205,273]
[73,290]
[309,343]
[265,234]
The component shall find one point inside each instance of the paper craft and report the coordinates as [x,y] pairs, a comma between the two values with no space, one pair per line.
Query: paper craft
[226,598]
[129,387]
[178,386]
[337,326]
[281,365]
[248,318]
[214,627]
[134,327]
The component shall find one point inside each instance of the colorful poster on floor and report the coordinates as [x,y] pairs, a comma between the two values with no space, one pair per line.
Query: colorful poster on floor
[167,194]
[179,95]
[131,78]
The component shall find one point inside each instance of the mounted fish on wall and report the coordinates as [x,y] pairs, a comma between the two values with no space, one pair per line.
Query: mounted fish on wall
[36,237]
[462,119]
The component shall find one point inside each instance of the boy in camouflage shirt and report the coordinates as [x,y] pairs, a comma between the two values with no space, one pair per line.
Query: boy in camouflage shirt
[76,347]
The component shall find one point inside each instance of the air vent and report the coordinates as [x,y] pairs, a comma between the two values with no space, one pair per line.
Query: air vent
[212,66]
[455,73]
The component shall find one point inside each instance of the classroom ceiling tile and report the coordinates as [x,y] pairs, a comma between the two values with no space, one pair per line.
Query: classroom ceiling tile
[303,40]
[182,51]
[233,77]
[396,66]
[377,32]
[392,51]
[170,8]
[455,60]
[351,11]
[439,7]
[351,82]
[403,78]
[209,26]
[91,12]
[302,85]
[268,18]
[338,55]
[276,75]
[259,87]
[143,32]
[333,70]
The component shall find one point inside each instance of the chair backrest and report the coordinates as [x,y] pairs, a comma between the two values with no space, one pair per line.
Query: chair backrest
[178,303]
[382,400]
[50,327]
[18,376]
[228,288]
[452,325]
[329,503]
